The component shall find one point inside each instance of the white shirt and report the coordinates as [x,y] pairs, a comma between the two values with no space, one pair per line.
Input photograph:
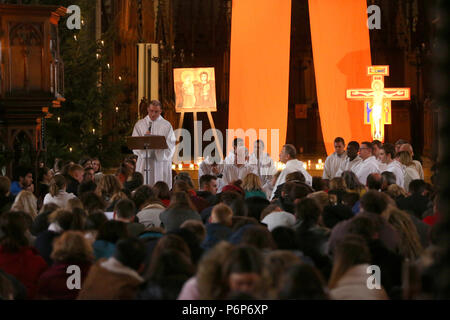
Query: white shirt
[332,165]
[266,165]
[410,175]
[205,167]
[229,159]
[292,166]
[232,173]
[382,166]
[396,168]
[366,167]
[61,199]
[159,161]
[419,168]
[349,165]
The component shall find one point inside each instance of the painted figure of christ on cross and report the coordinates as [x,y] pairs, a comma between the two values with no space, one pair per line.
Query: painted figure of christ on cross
[377,100]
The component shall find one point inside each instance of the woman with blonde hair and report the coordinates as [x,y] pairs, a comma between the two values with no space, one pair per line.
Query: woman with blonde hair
[26,201]
[396,192]
[410,246]
[110,189]
[71,248]
[57,192]
[409,168]
[207,284]
[252,186]
[348,280]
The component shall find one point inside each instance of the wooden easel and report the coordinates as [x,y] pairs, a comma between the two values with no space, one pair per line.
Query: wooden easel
[211,122]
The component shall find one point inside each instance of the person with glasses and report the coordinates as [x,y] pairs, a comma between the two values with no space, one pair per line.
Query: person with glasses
[369,163]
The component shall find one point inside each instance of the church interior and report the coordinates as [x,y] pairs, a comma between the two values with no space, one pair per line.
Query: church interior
[198,33]
[106,85]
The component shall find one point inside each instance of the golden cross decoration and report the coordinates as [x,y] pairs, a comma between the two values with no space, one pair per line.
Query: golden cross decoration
[377,100]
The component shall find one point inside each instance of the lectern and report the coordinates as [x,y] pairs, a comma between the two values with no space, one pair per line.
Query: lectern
[149,142]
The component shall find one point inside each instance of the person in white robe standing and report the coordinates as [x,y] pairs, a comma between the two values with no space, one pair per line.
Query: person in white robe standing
[335,160]
[387,157]
[159,161]
[352,160]
[288,155]
[369,163]
[261,160]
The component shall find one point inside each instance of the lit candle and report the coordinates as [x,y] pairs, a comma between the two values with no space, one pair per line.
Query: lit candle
[191,166]
[305,166]
[102,42]
[280,165]
[75,37]
[108,66]
[120,78]
[320,161]
[97,55]
[93,131]
[117,109]
[180,166]
[173,167]
[59,119]
[70,149]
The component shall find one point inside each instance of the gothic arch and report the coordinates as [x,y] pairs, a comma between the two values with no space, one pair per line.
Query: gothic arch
[25,34]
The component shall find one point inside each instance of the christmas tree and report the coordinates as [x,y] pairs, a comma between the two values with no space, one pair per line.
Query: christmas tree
[93,121]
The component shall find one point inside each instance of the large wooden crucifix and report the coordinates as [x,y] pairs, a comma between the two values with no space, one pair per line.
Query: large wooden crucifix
[377,100]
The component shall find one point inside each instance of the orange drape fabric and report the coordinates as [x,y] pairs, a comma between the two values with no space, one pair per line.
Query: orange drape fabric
[341,52]
[259,67]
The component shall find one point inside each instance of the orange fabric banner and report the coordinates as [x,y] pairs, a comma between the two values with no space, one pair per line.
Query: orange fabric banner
[341,52]
[259,67]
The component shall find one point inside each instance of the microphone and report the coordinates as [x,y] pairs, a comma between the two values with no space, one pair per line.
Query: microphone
[150,128]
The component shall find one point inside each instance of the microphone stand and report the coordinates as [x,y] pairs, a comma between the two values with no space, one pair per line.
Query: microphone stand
[146,146]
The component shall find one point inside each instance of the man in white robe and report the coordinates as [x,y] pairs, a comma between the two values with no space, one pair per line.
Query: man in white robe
[352,160]
[369,163]
[159,161]
[212,167]
[335,160]
[376,147]
[288,155]
[265,168]
[239,169]
[387,157]
[237,142]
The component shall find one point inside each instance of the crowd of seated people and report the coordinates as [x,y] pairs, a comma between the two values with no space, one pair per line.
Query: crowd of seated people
[283,235]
